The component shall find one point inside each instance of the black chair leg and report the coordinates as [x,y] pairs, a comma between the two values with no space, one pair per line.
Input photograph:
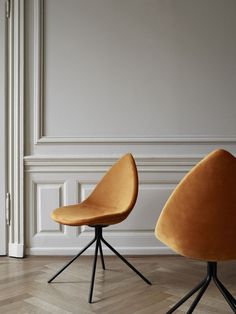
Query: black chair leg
[125,261]
[101,254]
[226,294]
[94,271]
[229,295]
[211,274]
[199,296]
[186,297]
[98,239]
[70,262]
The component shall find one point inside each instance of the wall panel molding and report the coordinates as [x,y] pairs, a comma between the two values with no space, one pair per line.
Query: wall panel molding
[70,166]
[38,69]
[100,164]
[63,251]
[46,196]
[40,138]
[135,235]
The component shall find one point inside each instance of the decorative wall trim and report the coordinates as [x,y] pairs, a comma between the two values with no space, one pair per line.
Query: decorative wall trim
[16,250]
[39,68]
[159,250]
[4,84]
[101,164]
[41,138]
[131,140]
[36,214]
[133,237]
[16,127]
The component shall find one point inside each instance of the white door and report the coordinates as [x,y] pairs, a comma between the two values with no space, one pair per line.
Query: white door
[2,131]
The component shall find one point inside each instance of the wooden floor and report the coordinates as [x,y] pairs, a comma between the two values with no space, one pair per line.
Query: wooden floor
[118,290]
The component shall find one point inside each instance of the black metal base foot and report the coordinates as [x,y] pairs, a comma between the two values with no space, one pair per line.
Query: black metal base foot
[202,286]
[98,239]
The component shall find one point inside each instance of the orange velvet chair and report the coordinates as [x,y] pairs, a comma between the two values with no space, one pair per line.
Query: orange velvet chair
[199,220]
[110,203]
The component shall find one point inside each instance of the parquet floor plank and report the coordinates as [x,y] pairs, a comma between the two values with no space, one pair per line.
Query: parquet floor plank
[118,290]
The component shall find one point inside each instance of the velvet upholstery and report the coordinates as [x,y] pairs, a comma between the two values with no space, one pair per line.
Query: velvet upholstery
[110,202]
[199,218]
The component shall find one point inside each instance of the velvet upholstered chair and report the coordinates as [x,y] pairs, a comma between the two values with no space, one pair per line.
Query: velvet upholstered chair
[199,220]
[110,203]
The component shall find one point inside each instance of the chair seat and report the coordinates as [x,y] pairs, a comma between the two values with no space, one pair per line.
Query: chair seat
[87,214]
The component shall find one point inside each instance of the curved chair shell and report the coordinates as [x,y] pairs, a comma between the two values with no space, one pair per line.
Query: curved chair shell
[199,218]
[110,202]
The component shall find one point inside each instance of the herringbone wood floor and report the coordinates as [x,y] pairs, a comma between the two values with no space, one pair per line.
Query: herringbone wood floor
[24,288]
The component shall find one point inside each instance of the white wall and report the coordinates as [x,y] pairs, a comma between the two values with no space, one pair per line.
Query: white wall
[104,77]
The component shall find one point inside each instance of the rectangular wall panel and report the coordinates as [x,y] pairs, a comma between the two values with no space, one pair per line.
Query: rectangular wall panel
[142,57]
[129,96]
[48,197]
[134,235]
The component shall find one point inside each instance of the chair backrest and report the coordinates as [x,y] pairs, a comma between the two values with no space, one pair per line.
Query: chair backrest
[199,218]
[118,189]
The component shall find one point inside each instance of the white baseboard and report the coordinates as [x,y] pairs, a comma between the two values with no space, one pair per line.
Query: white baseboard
[16,250]
[123,250]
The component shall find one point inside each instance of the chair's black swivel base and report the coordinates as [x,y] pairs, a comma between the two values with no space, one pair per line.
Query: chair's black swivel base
[202,286]
[98,239]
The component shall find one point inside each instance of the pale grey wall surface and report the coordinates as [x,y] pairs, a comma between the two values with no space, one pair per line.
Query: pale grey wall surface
[103,77]
[140,68]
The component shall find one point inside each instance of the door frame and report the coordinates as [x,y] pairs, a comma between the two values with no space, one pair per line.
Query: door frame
[15,112]
[3,131]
